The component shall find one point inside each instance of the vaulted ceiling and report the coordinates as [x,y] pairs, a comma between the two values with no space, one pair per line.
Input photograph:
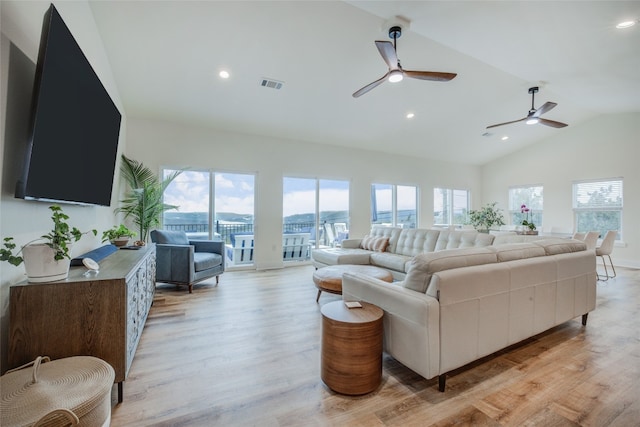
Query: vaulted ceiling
[166,56]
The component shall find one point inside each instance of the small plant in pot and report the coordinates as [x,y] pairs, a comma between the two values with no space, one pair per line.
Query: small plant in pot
[48,257]
[486,217]
[118,235]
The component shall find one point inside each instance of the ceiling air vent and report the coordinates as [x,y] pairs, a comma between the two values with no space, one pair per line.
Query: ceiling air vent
[273,84]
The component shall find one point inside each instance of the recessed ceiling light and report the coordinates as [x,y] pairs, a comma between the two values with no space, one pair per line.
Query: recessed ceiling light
[504,138]
[224,74]
[410,115]
[626,24]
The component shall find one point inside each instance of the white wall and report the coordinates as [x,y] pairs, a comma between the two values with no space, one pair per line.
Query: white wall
[162,144]
[606,147]
[21,24]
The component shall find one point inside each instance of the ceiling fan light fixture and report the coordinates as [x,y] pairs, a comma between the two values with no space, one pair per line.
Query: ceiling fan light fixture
[395,76]
[532,121]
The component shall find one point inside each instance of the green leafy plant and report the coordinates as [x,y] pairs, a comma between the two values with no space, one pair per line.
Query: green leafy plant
[116,232]
[143,203]
[486,217]
[57,239]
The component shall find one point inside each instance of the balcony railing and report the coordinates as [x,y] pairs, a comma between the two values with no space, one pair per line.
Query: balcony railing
[224,231]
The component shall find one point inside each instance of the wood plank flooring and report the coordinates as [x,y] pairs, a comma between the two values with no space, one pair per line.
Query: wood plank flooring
[247,353]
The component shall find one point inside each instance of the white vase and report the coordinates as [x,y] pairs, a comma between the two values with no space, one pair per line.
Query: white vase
[40,265]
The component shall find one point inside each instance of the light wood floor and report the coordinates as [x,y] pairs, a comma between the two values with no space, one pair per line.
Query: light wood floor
[247,352]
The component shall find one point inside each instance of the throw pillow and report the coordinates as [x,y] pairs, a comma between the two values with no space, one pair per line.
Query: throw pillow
[376,244]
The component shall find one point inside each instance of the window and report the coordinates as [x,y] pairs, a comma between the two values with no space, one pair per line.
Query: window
[526,195]
[450,207]
[597,206]
[190,191]
[230,214]
[317,206]
[394,205]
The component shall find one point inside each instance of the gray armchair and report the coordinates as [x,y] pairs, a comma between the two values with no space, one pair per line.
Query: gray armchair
[185,262]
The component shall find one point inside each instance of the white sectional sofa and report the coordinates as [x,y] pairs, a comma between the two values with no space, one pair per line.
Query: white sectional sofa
[403,245]
[455,306]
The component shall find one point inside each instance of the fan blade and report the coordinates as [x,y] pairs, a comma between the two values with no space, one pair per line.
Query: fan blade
[545,107]
[507,123]
[430,75]
[370,86]
[388,53]
[552,123]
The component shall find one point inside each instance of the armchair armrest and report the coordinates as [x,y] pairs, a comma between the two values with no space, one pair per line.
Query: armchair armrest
[174,263]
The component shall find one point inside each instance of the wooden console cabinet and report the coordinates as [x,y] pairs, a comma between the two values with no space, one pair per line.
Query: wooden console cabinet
[99,315]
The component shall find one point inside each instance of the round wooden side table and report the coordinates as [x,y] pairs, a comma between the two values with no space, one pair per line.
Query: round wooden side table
[351,358]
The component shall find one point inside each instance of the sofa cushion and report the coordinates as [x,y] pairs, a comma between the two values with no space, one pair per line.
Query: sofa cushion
[376,244]
[561,246]
[389,261]
[334,256]
[171,237]
[423,266]
[206,260]
[462,239]
[415,241]
[392,233]
[512,251]
[500,239]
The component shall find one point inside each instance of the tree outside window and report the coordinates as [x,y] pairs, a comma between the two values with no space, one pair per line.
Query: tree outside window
[597,206]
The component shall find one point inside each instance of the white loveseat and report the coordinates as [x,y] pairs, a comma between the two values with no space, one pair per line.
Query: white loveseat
[456,306]
[403,245]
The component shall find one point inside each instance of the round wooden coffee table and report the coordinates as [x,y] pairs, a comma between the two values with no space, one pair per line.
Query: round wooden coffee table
[351,361]
[329,279]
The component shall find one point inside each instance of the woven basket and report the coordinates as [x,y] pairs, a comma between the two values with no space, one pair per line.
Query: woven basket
[70,391]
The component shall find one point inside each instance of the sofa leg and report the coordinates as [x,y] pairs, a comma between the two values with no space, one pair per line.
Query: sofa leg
[190,288]
[584,319]
[217,278]
[442,379]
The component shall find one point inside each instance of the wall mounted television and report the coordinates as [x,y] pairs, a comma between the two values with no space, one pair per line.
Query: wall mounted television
[71,151]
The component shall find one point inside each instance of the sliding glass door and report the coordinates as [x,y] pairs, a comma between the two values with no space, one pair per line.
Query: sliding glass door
[214,205]
[316,206]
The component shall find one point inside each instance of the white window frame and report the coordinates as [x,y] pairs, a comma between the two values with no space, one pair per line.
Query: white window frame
[580,187]
[534,201]
[395,222]
[449,194]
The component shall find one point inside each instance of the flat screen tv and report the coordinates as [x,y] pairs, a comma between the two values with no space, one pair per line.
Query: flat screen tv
[74,128]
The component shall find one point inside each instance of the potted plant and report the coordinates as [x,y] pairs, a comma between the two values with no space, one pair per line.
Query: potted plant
[487,217]
[528,227]
[118,235]
[143,203]
[49,260]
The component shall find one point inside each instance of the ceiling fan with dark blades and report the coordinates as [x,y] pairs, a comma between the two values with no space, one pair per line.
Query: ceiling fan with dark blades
[396,72]
[533,116]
